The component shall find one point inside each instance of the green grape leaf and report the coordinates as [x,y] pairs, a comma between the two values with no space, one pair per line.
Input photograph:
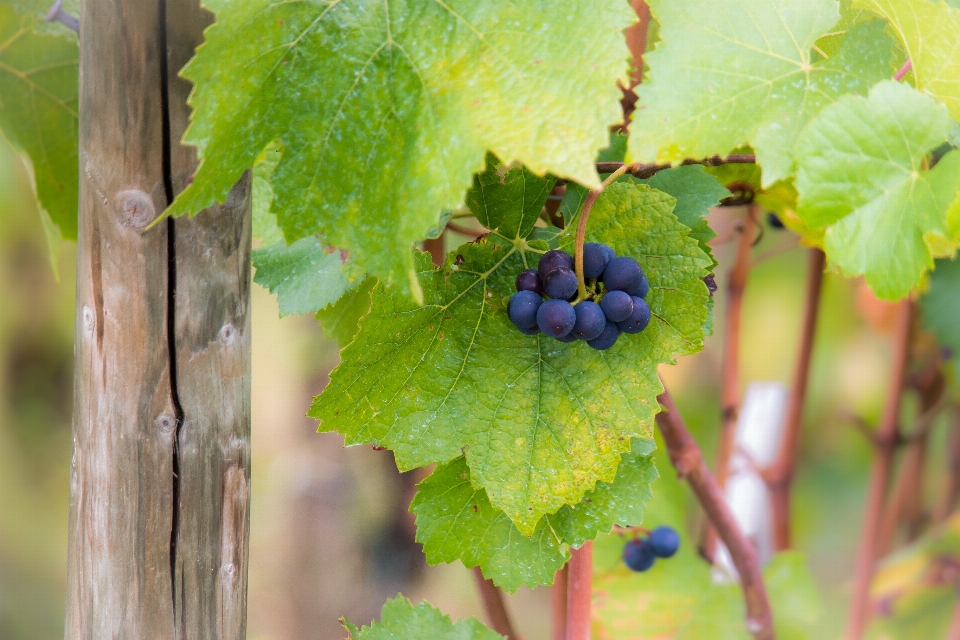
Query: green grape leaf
[696,191]
[38,111]
[341,321]
[498,187]
[386,113]
[457,521]
[400,620]
[928,31]
[861,177]
[264,222]
[940,306]
[729,73]
[305,276]
[540,421]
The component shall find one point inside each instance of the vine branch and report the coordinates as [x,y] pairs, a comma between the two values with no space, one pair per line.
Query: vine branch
[640,170]
[886,437]
[494,606]
[558,605]
[687,459]
[579,592]
[57,14]
[780,475]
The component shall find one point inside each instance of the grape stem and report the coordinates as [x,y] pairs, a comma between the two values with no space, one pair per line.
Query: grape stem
[687,459]
[582,228]
[493,604]
[904,70]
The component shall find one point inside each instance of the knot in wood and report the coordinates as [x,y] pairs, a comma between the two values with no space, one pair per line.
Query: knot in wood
[166,423]
[227,333]
[89,319]
[135,209]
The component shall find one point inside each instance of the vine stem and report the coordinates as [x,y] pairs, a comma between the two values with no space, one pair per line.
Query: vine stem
[640,170]
[780,475]
[558,605]
[582,226]
[687,459]
[887,435]
[579,592]
[730,360]
[904,70]
[494,606]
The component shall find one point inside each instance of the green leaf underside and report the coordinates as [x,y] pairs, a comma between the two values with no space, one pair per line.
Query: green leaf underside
[940,306]
[861,177]
[540,421]
[928,31]
[457,521]
[383,129]
[341,321]
[400,620]
[305,276]
[38,110]
[264,221]
[496,189]
[730,73]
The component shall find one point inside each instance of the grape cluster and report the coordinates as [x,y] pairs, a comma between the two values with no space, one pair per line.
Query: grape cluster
[640,553]
[616,288]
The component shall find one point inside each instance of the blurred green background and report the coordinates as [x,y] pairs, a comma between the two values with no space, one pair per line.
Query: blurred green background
[330,532]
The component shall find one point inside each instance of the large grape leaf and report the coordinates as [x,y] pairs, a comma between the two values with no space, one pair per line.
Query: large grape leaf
[400,620]
[386,110]
[940,306]
[861,176]
[341,320]
[729,73]
[928,31]
[540,421]
[456,521]
[38,110]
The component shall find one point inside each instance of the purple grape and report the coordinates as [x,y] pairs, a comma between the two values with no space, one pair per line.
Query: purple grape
[554,259]
[522,309]
[590,321]
[638,555]
[606,339]
[595,259]
[529,280]
[556,318]
[639,318]
[532,331]
[774,220]
[663,542]
[617,305]
[568,338]
[561,284]
[624,274]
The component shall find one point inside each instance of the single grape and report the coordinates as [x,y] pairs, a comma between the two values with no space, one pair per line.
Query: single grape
[774,220]
[624,274]
[556,318]
[664,541]
[638,556]
[560,283]
[532,331]
[639,318]
[606,339]
[569,337]
[595,259]
[529,280]
[617,305]
[611,254]
[522,309]
[554,259]
[590,321]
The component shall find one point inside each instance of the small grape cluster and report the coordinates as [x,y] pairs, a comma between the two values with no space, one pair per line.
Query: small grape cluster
[616,288]
[640,553]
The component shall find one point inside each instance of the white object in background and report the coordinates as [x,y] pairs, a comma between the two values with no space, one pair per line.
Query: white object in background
[756,443]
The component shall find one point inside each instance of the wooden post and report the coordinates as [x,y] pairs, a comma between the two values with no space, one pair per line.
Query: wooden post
[160,475]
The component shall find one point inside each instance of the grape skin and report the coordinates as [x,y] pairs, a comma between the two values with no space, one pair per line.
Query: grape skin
[639,317]
[624,274]
[554,259]
[595,259]
[664,541]
[556,318]
[529,280]
[561,283]
[638,555]
[590,321]
[522,309]
[606,339]
[617,305]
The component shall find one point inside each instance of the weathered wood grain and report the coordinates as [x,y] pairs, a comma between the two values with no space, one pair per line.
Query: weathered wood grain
[154,554]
